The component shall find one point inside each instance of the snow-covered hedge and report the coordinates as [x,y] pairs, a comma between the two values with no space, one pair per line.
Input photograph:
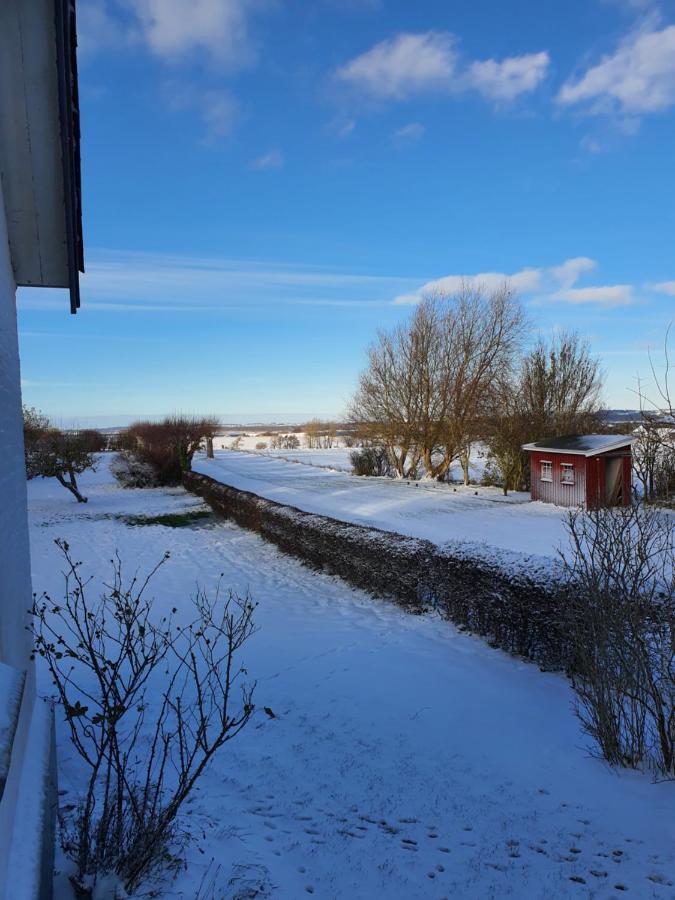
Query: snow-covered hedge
[513,611]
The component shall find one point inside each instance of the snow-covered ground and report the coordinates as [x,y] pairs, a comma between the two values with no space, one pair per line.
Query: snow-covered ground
[406,761]
[441,513]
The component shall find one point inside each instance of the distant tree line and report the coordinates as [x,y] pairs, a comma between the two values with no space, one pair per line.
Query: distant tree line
[456,373]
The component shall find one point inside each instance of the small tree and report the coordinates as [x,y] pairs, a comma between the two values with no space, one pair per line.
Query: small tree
[51,453]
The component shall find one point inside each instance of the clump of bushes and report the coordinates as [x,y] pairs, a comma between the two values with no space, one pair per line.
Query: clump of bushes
[166,447]
[370,461]
[284,442]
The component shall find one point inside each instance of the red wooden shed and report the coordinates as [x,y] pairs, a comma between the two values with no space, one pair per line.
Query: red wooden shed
[582,470]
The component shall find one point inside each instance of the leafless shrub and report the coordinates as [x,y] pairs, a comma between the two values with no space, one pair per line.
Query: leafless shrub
[621,610]
[147,702]
[261,445]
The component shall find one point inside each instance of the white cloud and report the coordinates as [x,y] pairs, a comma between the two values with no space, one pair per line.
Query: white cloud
[525,281]
[569,272]
[410,133]
[403,65]
[638,78]
[605,295]
[172,28]
[550,284]
[665,287]
[410,64]
[509,78]
[272,160]
[341,127]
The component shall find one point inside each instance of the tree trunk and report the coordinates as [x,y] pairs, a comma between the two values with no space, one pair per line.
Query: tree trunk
[71,485]
[464,462]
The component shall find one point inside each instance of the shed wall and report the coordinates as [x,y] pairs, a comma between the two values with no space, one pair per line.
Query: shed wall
[555,491]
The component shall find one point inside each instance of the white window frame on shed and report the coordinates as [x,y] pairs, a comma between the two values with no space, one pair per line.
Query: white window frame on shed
[546,464]
[567,469]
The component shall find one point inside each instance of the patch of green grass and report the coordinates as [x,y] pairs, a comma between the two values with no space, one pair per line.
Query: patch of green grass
[171,520]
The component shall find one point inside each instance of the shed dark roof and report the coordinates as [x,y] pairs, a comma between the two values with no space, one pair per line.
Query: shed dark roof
[584,444]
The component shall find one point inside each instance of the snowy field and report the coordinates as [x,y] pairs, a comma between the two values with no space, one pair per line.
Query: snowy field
[441,513]
[336,457]
[406,761]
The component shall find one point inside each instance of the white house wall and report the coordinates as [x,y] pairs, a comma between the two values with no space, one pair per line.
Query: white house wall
[15,585]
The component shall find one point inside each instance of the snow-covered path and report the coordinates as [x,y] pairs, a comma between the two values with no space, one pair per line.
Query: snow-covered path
[437,512]
[406,760]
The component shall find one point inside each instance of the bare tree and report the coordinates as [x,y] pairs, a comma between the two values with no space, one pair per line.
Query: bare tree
[427,381]
[489,329]
[385,408]
[510,428]
[147,704]
[561,384]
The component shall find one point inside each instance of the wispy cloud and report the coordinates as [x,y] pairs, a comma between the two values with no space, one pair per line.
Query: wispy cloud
[272,160]
[409,134]
[637,79]
[408,65]
[665,287]
[127,281]
[341,127]
[603,295]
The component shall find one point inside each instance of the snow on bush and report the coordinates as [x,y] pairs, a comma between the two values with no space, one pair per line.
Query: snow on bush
[132,472]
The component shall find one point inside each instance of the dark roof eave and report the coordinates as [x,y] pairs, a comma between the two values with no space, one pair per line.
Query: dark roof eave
[581,445]
[69,116]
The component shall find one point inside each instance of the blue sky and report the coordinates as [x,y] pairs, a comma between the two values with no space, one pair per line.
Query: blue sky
[267,182]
